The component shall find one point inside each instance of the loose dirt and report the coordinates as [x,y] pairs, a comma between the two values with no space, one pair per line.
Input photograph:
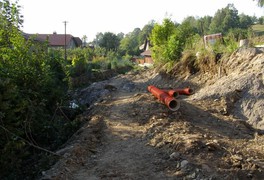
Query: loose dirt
[129,134]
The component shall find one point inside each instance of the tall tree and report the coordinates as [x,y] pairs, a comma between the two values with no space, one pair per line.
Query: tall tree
[161,33]
[10,21]
[129,45]
[98,38]
[192,21]
[261,20]
[179,40]
[204,25]
[165,41]
[225,19]
[245,21]
[120,36]
[109,41]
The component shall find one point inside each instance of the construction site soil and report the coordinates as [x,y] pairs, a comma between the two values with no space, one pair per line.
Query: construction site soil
[217,133]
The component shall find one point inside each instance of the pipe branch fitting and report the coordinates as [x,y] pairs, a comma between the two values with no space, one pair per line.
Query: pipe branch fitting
[165,98]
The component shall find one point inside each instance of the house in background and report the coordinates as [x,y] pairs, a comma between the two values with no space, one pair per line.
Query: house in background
[57,40]
[211,39]
[145,58]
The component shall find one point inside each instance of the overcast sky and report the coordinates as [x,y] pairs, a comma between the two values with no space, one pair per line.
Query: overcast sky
[88,17]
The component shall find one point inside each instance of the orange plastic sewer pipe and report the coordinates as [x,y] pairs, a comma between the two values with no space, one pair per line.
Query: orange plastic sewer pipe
[185,91]
[172,93]
[165,98]
[176,92]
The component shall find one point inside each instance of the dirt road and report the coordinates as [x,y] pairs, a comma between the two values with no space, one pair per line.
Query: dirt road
[124,153]
[130,135]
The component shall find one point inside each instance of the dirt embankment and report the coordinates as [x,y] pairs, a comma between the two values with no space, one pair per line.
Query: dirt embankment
[130,135]
[240,83]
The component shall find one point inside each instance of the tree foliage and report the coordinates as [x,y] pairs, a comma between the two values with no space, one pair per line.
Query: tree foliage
[225,19]
[204,25]
[109,41]
[169,40]
[245,21]
[161,33]
[193,22]
[129,45]
[261,20]
[80,59]
[32,89]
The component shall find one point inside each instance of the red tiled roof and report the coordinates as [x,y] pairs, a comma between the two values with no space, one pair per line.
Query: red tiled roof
[55,39]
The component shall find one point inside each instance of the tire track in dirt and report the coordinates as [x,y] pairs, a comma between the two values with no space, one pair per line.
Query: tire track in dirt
[124,153]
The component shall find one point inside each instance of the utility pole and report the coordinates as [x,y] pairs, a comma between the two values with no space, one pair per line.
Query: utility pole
[65,45]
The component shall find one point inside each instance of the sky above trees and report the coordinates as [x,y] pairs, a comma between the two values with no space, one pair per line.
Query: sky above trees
[90,17]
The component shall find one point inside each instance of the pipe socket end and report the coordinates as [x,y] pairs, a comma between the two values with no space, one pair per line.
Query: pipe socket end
[174,105]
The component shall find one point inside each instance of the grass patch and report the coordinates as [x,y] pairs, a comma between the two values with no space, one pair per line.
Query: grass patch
[258,29]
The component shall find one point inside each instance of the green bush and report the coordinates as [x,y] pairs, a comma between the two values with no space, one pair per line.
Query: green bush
[170,40]
[33,85]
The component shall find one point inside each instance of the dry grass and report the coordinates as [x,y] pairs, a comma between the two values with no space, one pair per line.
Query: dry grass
[191,63]
[186,66]
[258,40]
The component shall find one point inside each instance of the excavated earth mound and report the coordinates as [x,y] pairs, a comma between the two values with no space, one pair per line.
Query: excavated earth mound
[240,82]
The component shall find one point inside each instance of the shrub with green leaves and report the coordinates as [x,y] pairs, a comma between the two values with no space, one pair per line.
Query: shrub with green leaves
[32,91]
[170,40]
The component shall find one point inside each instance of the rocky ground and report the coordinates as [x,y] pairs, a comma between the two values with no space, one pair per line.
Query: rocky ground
[129,134]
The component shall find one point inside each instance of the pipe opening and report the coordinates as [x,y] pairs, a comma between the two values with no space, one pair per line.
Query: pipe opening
[175,94]
[174,105]
[190,91]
